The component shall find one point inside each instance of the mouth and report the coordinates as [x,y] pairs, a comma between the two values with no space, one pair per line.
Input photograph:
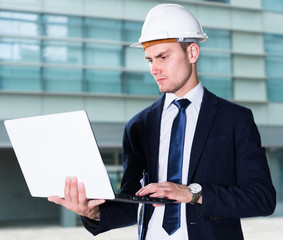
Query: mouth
[160,79]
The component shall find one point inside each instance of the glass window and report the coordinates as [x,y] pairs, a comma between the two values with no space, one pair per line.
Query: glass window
[274,67]
[103,29]
[274,63]
[275,90]
[19,50]
[218,63]
[63,80]
[23,24]
[62,26]
[113,157]
[62,52]
[274,44]
[132,31]
[215,63]
[223,1]
[220,39]
[220,86]
[103,81]
[134,59]
[273,5]
[20,78]
[116,67]
[140,83]
[102,55]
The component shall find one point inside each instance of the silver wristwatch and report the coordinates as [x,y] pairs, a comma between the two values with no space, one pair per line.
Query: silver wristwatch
[195,190]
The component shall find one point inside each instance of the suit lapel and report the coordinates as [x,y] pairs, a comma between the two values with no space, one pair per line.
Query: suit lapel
[152,132]
[204,123]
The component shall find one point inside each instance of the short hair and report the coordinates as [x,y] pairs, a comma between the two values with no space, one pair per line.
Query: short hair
[184,46]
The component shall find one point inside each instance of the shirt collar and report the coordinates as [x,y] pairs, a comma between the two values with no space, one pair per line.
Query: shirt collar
[195,96]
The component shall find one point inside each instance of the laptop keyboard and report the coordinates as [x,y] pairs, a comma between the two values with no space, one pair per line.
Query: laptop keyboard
[142,199]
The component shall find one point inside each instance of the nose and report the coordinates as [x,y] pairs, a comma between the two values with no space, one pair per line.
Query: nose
[155,68]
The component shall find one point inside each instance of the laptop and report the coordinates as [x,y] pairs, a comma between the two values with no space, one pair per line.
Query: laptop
[51,147]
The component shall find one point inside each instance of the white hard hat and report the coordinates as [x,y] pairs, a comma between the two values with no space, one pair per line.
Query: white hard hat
[167,21]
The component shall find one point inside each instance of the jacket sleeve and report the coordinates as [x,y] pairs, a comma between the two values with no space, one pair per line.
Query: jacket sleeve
[252,193]
[112,215]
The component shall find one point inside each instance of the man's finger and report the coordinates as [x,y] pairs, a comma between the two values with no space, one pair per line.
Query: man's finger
[96,202]
[158,205]
[74,190]
[57,200]
[82,195]
[151,188]
[67,190]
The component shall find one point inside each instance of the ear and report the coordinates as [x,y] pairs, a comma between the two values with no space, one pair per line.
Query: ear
[193,52]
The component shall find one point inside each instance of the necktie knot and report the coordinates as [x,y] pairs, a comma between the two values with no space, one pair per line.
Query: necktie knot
[182,103]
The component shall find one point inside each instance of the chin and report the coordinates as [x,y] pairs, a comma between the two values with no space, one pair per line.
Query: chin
[164,90]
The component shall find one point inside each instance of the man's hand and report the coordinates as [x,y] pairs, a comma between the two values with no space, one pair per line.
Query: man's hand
[75,200]
[178,192]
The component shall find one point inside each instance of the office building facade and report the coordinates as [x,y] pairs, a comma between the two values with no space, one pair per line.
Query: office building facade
[68,55]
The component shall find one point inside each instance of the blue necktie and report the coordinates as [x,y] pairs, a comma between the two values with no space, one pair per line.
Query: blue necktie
[171,220]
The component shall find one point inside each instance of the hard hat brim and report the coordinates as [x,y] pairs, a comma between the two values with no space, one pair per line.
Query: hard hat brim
[136,45]
[196,39]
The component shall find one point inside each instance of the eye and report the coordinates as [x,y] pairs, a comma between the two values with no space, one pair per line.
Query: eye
[164,57]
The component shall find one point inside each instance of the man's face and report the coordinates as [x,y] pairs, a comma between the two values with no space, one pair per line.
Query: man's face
[171,68]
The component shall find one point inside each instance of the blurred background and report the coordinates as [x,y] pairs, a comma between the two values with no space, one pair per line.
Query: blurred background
[66,55]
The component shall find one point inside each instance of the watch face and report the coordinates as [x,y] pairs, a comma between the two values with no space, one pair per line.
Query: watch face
[195,188]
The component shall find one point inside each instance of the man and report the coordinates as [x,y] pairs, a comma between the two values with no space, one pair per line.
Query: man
[210,146]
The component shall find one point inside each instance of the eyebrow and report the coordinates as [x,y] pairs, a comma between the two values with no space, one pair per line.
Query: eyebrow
[159,55]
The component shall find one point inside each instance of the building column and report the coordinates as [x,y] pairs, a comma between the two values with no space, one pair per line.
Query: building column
[67,218]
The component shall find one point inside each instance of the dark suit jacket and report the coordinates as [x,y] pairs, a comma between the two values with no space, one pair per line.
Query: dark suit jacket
[226,159]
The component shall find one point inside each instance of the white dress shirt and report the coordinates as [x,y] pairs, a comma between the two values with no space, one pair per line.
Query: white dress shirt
[155,230]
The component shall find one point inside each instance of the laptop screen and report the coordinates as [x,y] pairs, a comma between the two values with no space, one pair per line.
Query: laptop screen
[51,147]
